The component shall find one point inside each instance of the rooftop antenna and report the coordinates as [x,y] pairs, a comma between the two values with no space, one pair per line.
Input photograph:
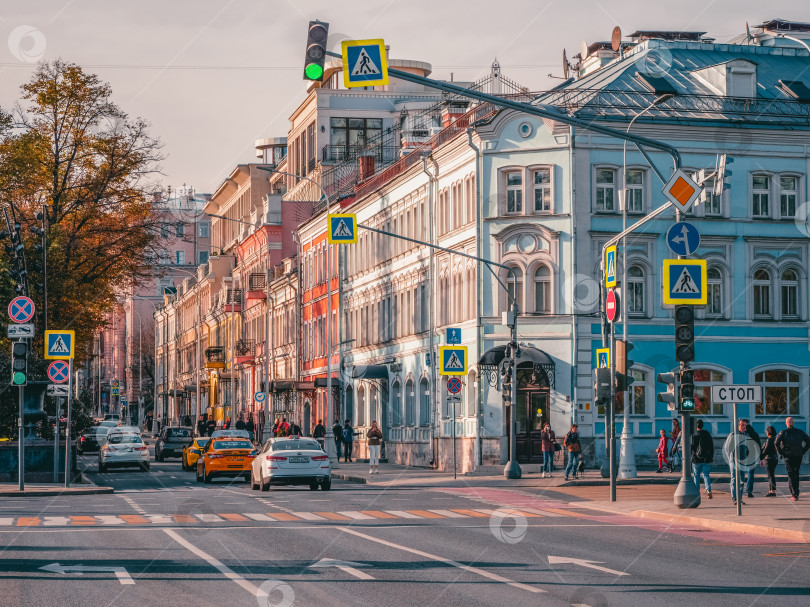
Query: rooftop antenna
[616,39]
[566,66]
[583,51]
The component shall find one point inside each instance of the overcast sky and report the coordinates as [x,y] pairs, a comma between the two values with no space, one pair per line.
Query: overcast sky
[211,76]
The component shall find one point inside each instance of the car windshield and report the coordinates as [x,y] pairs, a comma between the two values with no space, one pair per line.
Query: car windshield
[108,424]
[296,445]
[233,444]
[202,442]
[123,439]
[178,433]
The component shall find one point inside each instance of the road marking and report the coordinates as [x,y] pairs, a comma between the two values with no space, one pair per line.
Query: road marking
[349,567]
[402,514]
[50,521]
[132,503]
[332,516]
[223,569]
[228,517]
[308,516]
[447,513]
[208,518]
[425,514]
[82,520]
[134,519]
[255,517]
[472,513]
[28,521]
[120,572]
[358,516]
[553,560]
[378,514]
[160,519]
[483,573]
[283,516]
[107,519]
[8,521]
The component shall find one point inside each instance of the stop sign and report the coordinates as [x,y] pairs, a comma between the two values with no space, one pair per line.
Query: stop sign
[612,306]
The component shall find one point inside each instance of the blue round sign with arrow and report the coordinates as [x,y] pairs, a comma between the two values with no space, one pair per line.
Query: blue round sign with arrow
[683,238]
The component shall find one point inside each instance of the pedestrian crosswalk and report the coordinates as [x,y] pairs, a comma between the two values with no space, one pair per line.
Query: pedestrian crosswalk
[254,517]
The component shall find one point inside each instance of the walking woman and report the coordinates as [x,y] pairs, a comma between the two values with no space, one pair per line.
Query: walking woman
[549,440]
[374,436]
[675,437]
[770,458]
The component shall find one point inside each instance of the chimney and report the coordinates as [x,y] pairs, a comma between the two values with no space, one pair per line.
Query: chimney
[366,165]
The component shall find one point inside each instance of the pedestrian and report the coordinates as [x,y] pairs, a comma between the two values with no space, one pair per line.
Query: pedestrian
[792,444]
[227,423]
[157,425]
[374,436]
[747,455]
[295,429]
[675,437]
[749,430]
[240,424]
[337,431]
[770,457]
[249,426]
[702,457]
[547,438]
[348,440]
[276,424]
[571,443]
[149,421]
[212,425]
[319,433]
[283,427]
[187,420]
[662,451]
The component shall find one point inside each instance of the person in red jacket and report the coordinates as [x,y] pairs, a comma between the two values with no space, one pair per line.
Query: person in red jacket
[662,451]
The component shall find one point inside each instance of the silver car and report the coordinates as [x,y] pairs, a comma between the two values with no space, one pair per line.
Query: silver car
[291,460]
[123,449]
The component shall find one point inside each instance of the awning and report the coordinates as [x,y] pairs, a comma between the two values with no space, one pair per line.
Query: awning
[370,372]
[320,382]
[527,354]
[281,385]
[306,385]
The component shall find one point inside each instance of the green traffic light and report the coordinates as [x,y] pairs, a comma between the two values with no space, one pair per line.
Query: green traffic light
[314,71]
[18,378]
[687,404]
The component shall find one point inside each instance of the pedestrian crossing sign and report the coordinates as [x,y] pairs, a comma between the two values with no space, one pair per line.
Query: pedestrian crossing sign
[685,282]
[603,358]
[454,360]
[364,63]
[342,228]
[610,267]
[59,344]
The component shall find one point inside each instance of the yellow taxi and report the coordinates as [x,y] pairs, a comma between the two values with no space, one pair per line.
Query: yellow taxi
[192,452]
[226,456]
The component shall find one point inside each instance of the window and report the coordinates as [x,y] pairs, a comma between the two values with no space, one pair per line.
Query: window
[760,193]
[163,258]
[164,230]
[180,257]
[542,290]
[204,230]
[634,188]
[514,192]
[714,305]
[542,190]
[360,414]
[638,394]
[704,380]
[410,399]
[203,256]
[781,392]
[514,285]
[635,290]
[605,189]
[179,230]
[712,206]
[762,293]
[787,196]
[354,133]
[790,294]
[424,406]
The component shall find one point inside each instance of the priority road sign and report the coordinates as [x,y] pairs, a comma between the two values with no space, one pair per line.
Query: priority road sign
[364,63]
[58,371]
[18,331]
[603,358]
[21,309]
[454,385]
[115,383]
[683,238]
[59,344]
[259,397]
[453,359]
[685,282]
[682,191]
[342,228]
[610,267]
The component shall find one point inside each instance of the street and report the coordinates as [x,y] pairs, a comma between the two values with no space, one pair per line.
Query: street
[162,538]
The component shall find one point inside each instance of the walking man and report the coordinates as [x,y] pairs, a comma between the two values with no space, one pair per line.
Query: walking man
[547,437]
[749,430]
[702,456]
[337,431]
[348,439]
[747,455]
[319,433]
[574,449]
[792,444]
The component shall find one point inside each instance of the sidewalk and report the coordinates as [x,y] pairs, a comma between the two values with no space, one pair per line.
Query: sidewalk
[51,490]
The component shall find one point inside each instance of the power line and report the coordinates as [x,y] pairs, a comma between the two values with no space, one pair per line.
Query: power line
[257,68]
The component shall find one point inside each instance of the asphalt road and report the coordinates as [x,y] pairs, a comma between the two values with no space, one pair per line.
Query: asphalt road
[164,539]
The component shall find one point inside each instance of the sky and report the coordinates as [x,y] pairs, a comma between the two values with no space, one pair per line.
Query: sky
[212,76]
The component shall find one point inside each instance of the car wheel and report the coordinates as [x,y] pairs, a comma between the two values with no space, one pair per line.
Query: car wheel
[199,476]
[206,476]
[254,486]
[159,457]
[265,484]
[313,486]
[326,485]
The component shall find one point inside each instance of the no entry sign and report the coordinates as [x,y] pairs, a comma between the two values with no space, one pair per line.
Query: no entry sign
[612,306]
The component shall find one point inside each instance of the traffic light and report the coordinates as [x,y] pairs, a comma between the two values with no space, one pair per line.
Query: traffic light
[316,50]
[19,363]
[684,334]
[722,174]
[687,395]
[601,386]
[623,365]
[670,397]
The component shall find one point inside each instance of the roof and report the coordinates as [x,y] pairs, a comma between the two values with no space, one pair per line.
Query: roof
[615,91]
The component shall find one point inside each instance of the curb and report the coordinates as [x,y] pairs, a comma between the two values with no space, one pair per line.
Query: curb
[352,479]
[718,525]
[94,490]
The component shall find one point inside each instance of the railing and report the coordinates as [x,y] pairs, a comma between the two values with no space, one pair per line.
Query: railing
[342,153]
[257,281]
[215,354]
[245,347]
[233,296]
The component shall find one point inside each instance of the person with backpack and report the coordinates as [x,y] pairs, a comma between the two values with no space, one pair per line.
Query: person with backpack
[770,457]
[749,483]
[348,439]
[548,439]
[571,443]
[792,444]
[702,457]
[337,432]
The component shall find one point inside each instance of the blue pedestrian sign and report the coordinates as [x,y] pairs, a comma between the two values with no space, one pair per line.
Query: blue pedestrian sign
[685,282]
[364,63]
[59,344]
[453,336]
[342,228]
[454,360]
[610,267]
[683,238]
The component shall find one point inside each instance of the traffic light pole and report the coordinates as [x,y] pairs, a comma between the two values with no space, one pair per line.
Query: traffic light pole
[21,441]
[612,416]
[67,423]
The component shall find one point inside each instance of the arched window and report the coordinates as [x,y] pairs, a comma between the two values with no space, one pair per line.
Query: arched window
[396,404]
[514,284]
[410,403]
[635,290]
[762,293]
[446,405]
[360,413]
[424,402]
[471,394]
[374,413]
[715,304]
[782,389]
[790,294]
[542,290]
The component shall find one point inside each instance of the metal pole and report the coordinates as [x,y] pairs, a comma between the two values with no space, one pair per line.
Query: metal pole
[67,424]
[453,396]
[45,266]
[736,463]
[267,347]
[21,442]
[512,469]
[612,415]
[56,442]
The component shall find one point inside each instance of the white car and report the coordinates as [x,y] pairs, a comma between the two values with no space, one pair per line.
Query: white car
[291,460]
[123,449]
[127,430]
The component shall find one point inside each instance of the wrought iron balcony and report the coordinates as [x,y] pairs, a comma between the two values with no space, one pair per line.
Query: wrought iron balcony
[215,357]
[257,281]
[245,350]
[341,153]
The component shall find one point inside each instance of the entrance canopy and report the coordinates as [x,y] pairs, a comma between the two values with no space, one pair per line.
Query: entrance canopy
[541,362]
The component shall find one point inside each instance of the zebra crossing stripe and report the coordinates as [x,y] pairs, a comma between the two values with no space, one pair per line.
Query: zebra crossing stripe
[283,516]
[184,518]
[237,518]
[107,519]
[134,519]
[472,513]
[5,521]
[83,520]
[425,514]
[160,519]
[449,514]
[259,517]
[333,516]
[208,518]
[402,514]
[307,516]
[377,514]
[28,521]
[60,521]
[358,516]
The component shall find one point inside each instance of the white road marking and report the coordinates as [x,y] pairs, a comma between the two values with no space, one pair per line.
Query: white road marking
[107,519]
[132,503]
[160,519]
[9,521]
[349,567]
[449,514]
[552,560]
[354,514]
[258,517]
[486,574]
[223,569]
[308,516]
[120,572]
[208,518]
[403,514]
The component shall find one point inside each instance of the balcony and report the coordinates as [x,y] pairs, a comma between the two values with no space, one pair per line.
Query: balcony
[245,351]
[256,285]
[233,301]
[215,357]
[384,154]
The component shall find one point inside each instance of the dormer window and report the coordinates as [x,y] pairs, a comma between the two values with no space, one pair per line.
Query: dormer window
[736,78]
